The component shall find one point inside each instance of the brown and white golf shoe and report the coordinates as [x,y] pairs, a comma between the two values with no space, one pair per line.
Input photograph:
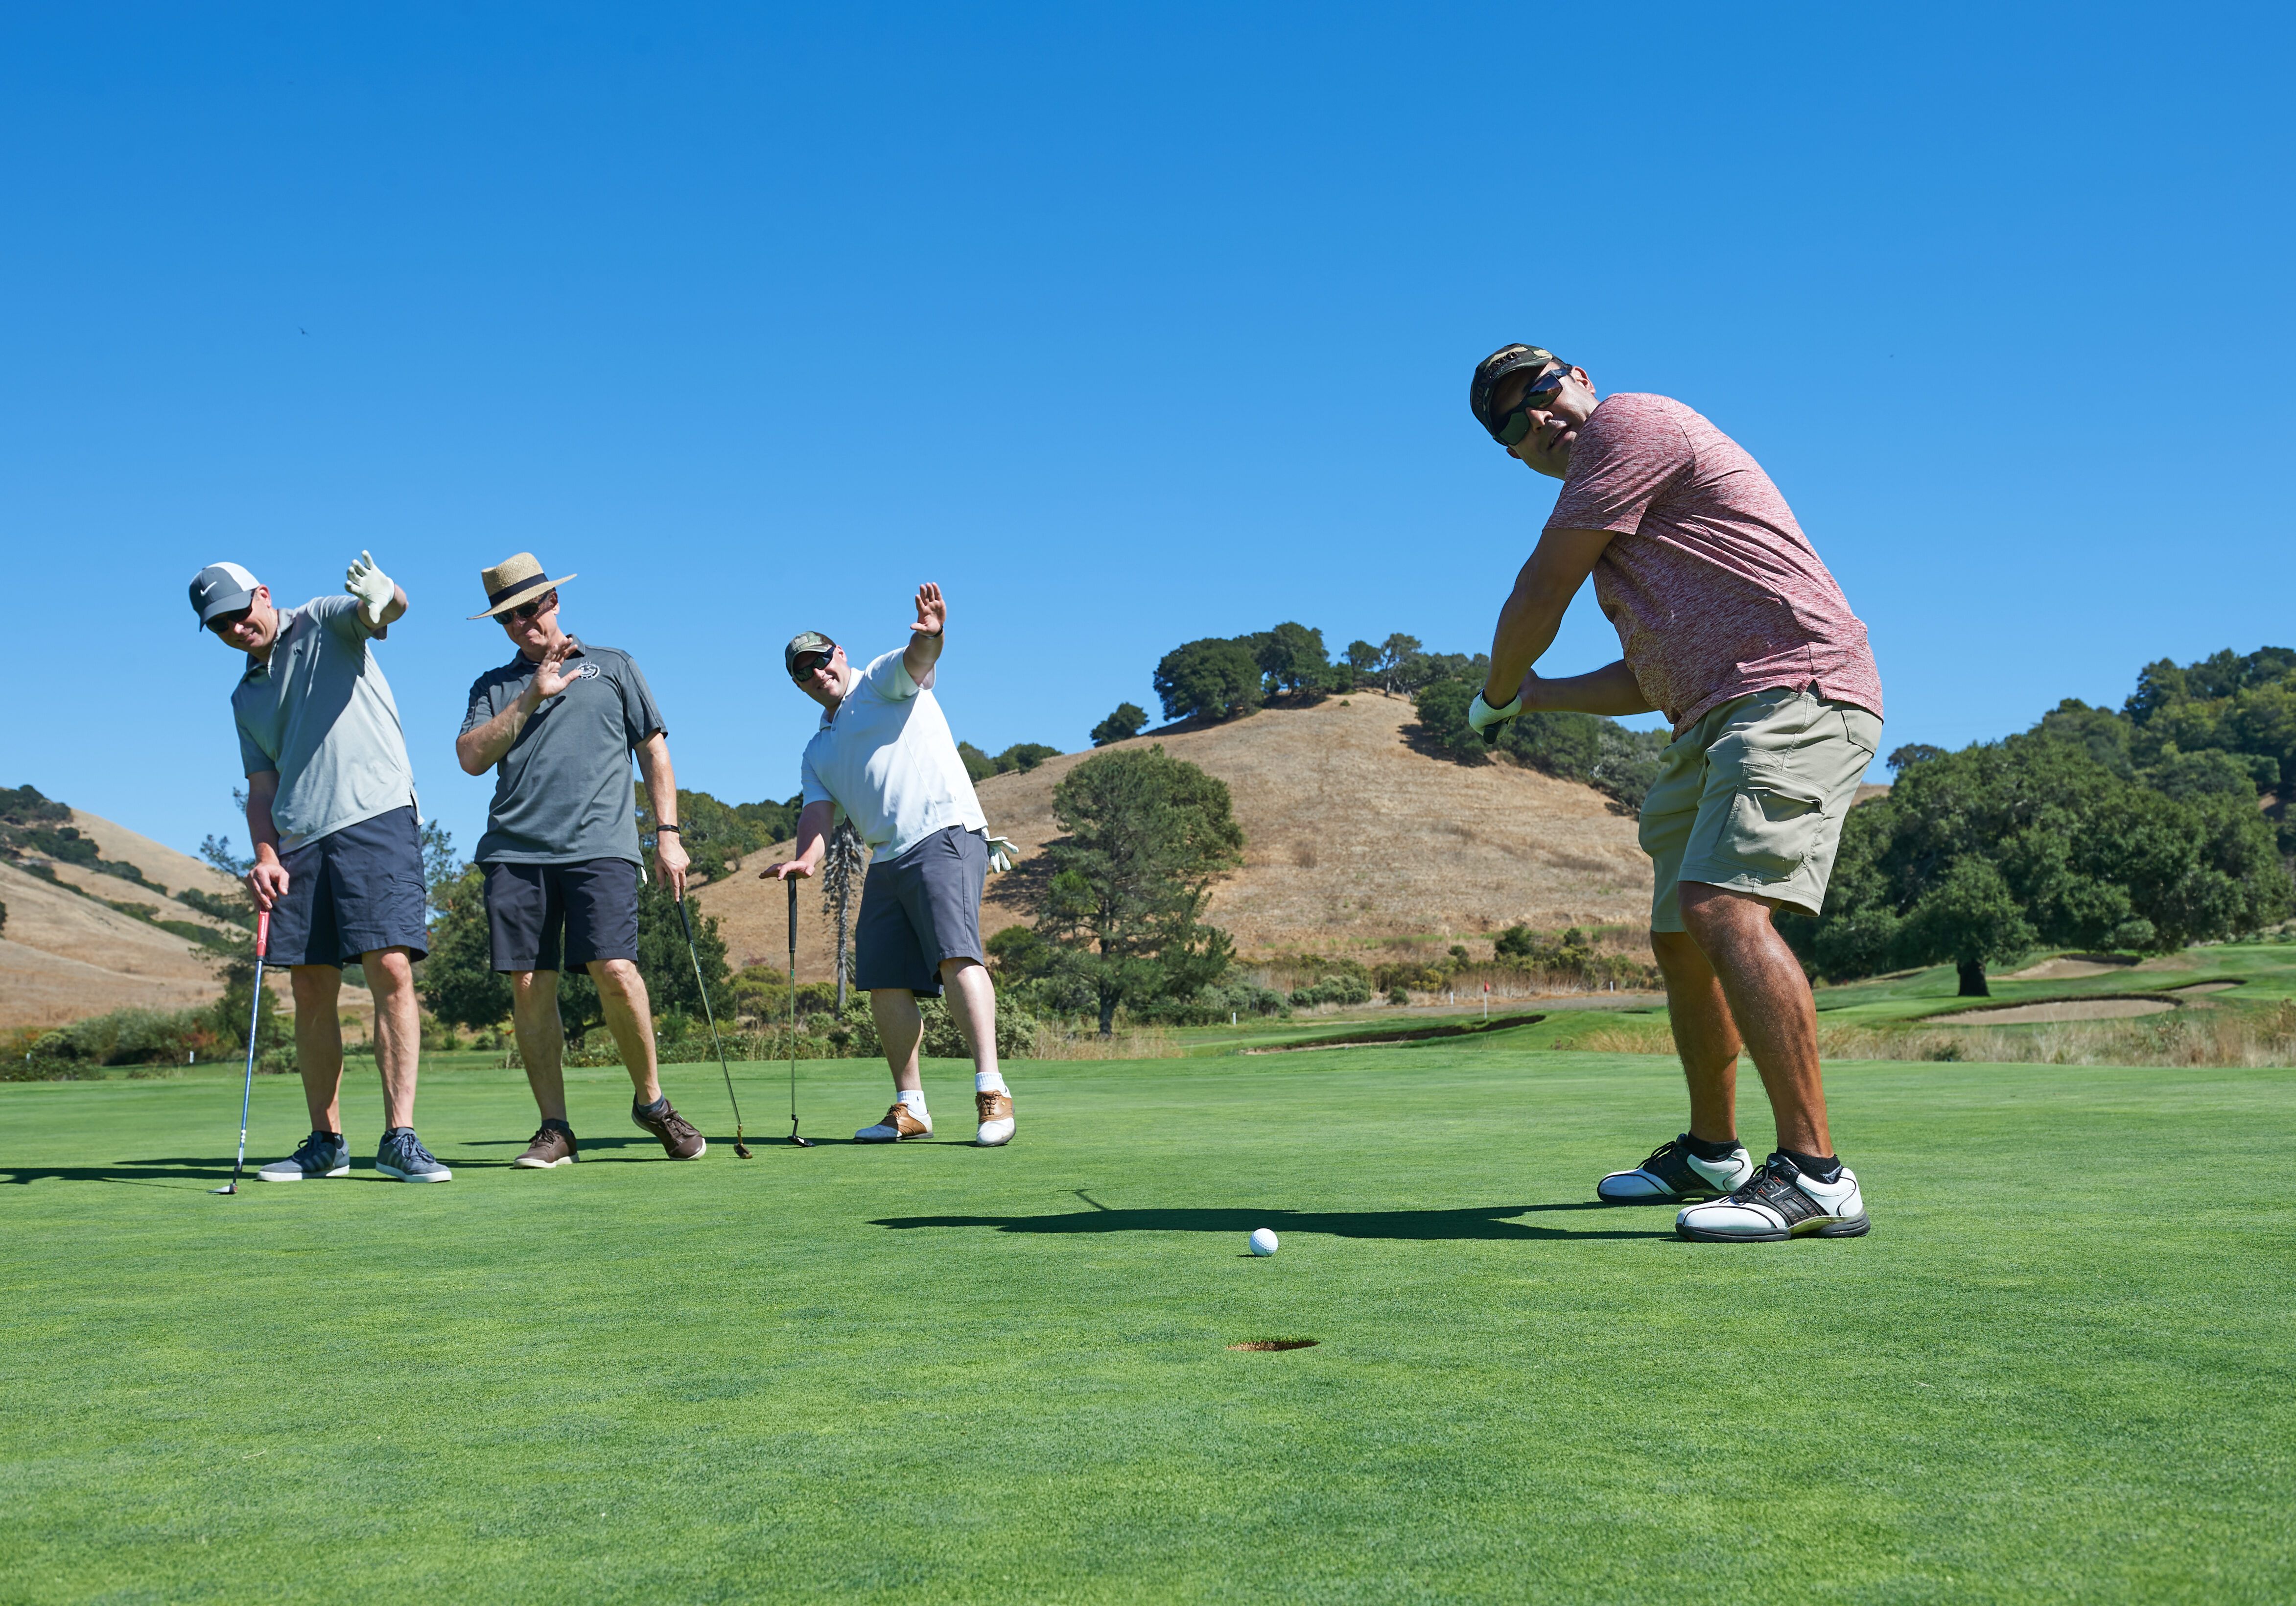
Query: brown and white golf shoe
[552,1146]
[900,1122]
[996,1117]
[679,1138]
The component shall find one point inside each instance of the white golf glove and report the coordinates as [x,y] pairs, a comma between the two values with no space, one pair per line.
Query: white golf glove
[1485,720]
[1001,853]
[371,586]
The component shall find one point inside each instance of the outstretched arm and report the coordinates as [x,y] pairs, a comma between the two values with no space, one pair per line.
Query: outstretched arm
[926,635]
[1611,690]
[812,823]
[1559,565]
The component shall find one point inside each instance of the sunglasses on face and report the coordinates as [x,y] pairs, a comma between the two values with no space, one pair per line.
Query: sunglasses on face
[229,621]
[527,610]
[1514,423]
[806,664]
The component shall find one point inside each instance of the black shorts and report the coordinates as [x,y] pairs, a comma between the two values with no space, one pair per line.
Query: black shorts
[543,917]
[920,909]
[350,892]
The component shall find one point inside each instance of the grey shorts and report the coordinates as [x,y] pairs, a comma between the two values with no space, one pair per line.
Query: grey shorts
[350,892]
[1752,798]
[920,909]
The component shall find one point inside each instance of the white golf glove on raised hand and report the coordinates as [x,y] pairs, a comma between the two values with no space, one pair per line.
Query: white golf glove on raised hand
[1485,720]
[371,586]
[1001,853]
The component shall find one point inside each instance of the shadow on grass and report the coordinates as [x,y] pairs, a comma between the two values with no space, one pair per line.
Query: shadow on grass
[1483,1221]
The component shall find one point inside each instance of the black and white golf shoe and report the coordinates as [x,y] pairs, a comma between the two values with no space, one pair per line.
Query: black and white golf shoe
[1673,1174]
[1780,1201]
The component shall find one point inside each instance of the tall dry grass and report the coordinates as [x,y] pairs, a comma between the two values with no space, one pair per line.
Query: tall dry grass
[1055,1041]
[2193,1039]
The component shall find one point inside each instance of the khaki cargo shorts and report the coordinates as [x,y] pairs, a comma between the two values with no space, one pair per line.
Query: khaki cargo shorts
[1752,798]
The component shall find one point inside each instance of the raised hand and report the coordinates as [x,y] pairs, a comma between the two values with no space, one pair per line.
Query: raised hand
[550,676]
[932,613]
[373,588]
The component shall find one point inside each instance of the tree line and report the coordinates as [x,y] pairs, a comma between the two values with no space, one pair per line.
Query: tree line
[2140,830]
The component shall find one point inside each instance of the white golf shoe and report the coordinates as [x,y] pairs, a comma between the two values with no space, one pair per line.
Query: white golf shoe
[996,1117]
[1780,1201]
[900,1122]
[1673,1174]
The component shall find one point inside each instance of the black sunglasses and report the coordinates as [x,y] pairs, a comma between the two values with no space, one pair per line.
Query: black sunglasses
[226,621]
[527,610]
[805,663]
[1514,423]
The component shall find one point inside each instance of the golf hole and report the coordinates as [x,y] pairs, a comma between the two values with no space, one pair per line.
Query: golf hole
[1277,1344]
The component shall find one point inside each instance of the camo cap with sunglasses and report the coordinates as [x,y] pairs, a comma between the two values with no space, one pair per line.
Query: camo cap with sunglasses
[801,643]
[1510,427]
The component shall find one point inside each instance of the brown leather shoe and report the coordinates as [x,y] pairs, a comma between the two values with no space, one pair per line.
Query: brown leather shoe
[679,1140]
[552,1146]
[995,1118]
[900,1121]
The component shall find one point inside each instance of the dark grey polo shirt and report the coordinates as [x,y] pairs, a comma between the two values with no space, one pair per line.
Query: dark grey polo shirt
[564,793]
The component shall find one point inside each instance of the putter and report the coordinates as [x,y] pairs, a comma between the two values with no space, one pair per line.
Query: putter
[802,1143]
[685,920]
[254,1012]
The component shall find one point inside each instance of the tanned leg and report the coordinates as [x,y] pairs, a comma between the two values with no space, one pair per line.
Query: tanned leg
[398,1030]
[629,1016]
[318,1041]
[1769,1001]
[541,1038]
[900,1027]
[1704,1035]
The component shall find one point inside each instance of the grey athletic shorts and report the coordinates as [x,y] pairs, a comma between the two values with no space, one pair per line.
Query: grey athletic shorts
[1752,798]
[920,909]
[350,892]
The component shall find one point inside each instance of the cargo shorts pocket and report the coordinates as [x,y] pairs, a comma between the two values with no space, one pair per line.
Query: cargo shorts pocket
[1773,823]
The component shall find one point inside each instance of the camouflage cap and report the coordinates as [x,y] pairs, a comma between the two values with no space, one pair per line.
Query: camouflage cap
[804,641]
[1492,369]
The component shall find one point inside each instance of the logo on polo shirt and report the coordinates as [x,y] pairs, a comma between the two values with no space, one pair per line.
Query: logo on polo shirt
[586,672]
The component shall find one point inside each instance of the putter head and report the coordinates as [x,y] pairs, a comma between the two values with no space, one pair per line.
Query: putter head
[229,1187]
[742,1149]
[802,1143]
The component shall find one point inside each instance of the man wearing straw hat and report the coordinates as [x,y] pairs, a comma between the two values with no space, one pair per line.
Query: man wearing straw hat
[338,865]
[558,723]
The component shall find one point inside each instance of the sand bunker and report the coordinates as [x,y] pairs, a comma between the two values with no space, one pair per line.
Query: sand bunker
[2204,986]
[2065,968]
[2070,1009]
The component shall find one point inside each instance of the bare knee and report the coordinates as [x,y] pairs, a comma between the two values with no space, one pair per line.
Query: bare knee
[389,969]
[951,969]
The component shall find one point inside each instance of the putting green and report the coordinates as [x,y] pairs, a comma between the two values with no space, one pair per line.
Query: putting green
[2058,1367]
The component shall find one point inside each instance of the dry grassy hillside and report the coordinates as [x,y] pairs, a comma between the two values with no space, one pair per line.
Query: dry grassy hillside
[1354,840]
[64,957]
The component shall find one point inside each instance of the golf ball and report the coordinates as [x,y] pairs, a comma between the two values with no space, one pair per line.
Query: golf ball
[1263,1242]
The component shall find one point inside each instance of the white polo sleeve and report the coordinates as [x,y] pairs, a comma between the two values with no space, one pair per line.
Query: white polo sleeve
[888,677]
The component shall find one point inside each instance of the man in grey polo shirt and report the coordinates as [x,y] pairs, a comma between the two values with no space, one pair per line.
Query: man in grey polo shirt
[558,722]
[884,756]
[338,844]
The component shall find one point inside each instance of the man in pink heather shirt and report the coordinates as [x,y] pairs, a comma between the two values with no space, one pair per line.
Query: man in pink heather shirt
[1731,627]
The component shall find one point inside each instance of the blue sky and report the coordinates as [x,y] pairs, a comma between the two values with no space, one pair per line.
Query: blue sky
[1128,326]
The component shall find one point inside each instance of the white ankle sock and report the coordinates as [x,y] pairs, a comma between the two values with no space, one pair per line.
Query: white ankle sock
[914,1098]
[989,1081]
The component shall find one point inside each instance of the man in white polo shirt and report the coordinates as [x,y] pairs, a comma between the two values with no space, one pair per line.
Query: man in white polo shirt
[884,758]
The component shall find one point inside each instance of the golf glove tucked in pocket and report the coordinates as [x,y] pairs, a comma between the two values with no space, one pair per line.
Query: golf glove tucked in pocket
[1002,853]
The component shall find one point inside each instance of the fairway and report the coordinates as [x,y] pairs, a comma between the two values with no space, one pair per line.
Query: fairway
[2060,1366]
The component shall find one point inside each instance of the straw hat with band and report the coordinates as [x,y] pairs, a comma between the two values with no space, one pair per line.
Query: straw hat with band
[515,579]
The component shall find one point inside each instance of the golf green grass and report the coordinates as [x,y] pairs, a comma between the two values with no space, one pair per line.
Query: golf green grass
[2059,1368]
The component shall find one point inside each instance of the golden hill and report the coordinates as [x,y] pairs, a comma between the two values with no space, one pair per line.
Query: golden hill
[64,957]
[1354,840]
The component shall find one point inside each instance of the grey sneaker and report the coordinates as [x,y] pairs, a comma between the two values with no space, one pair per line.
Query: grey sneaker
[321,1154]
[404,1156]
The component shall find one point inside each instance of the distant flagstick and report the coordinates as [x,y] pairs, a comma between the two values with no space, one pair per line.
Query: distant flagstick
[254,1011]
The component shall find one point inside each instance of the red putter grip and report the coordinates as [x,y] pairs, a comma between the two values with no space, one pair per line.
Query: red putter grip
[262,933]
